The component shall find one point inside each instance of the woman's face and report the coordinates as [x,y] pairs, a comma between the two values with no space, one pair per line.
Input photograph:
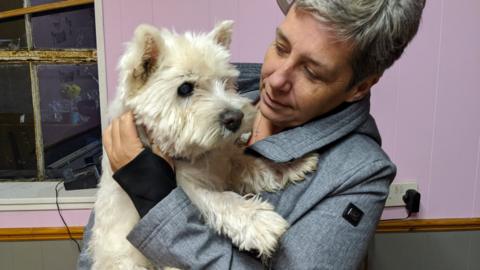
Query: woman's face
[306,72]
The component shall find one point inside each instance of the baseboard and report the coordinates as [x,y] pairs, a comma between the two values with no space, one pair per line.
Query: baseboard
[429,225]
[33,234]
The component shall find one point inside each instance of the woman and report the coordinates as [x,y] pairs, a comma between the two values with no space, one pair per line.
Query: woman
[313,97]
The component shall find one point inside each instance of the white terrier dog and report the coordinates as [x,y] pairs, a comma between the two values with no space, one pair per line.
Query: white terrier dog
[181,90]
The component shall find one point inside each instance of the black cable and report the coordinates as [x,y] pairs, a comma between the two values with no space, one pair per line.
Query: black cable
[63,220]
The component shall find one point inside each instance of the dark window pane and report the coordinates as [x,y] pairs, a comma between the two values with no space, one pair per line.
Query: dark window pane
[17,137]
[12,31]
[10,4]
[66,28]
[70,109]
[12,34]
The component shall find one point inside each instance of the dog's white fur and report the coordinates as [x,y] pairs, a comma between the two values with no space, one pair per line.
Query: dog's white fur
[210,165]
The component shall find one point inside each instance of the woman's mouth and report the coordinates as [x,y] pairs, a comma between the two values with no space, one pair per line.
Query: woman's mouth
[275,105]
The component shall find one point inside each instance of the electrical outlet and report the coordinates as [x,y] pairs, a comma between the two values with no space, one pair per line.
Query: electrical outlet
[397,190]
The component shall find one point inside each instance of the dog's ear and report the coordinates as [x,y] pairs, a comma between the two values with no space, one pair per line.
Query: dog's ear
[144,54]
[222,33]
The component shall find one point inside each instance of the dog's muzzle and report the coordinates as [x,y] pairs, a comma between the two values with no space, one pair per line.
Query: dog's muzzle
[231,119]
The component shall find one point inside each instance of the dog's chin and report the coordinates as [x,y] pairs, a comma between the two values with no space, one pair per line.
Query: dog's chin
[233,136]
[197,146]
[194,151]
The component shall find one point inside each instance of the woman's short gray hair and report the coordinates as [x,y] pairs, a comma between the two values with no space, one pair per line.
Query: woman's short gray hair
[379,29]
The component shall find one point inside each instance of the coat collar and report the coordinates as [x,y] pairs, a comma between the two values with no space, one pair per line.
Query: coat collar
[296,142]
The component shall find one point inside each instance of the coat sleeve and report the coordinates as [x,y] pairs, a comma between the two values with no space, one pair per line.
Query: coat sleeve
[195,245]
[173,233]
[84,261]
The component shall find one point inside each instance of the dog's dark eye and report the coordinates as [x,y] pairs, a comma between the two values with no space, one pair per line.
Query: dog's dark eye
[185,89]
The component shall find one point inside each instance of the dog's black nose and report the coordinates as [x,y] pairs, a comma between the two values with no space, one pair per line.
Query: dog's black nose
[231,119]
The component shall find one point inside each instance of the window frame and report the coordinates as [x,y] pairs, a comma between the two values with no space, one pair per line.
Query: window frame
[40,195]
[34,57]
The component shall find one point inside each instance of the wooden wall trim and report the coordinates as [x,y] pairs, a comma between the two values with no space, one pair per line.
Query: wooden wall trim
[429,225]
[390,226]
[33,234]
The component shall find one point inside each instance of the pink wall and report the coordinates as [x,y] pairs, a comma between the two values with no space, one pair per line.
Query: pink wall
[44,218]
[426,105]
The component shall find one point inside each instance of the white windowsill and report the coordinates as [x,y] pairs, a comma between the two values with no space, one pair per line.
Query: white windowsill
[22,196]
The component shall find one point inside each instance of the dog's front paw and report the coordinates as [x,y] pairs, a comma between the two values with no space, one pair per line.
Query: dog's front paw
[263,232]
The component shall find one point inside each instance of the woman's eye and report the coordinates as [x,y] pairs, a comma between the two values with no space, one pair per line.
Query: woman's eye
[311,74]
[185,89]
[281,50]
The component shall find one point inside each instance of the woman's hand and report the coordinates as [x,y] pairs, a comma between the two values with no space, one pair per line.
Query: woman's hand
[121,141]
[122,144]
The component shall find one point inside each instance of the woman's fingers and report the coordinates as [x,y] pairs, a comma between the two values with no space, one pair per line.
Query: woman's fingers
[110,143]
[128,130]
[121,141]
[107,141]
[116,141]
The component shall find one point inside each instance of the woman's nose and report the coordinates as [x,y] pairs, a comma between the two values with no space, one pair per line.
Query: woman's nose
[280,79]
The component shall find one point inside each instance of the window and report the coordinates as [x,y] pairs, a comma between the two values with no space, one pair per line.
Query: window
[49,105]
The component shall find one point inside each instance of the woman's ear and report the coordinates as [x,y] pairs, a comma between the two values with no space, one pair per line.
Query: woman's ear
[362,89]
